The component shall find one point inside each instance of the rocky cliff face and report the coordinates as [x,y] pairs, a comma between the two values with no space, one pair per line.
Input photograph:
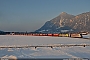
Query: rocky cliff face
[67,23]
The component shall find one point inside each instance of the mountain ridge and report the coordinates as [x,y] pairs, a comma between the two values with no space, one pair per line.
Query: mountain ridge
[78,23]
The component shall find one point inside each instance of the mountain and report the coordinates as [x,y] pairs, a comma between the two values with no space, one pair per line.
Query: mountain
[1,31]
[67,23]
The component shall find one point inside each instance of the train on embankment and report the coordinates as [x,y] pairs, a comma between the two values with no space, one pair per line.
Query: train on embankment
[73,35]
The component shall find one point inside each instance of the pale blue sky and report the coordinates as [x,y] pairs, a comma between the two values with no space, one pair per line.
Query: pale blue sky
[29,15]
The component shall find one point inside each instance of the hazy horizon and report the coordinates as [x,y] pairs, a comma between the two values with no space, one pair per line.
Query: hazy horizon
[30,15]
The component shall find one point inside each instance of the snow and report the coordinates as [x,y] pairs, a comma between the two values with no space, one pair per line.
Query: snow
[6,57]
[43,52]
[86,36]
[64,30]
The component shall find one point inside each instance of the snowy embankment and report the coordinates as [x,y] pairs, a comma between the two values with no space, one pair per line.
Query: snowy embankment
[86,36]
[43,52]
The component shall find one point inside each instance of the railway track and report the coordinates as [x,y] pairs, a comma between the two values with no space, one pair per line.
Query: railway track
[51,46]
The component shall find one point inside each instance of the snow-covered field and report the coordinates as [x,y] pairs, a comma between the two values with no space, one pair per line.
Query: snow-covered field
[44,52]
